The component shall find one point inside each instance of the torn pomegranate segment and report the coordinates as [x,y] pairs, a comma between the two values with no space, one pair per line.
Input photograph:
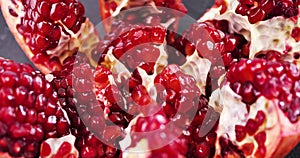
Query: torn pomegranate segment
[49,31]
[29,110]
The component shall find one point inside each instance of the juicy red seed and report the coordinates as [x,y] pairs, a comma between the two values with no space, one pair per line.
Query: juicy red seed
[202,150]
[8,79]
[87,152]
[240,132]
[44,9]
[21,94]
[256,15]
[261,151]
[55,34]
[248,2]
[70,20]
[32,116]
[260,79]
[242,9]
[248,93]
[141,96]
[260,117]
[45,149]
[58,11]
[261,138]
[296,34]
[237,87]
[251,127]
[38,84]
[248,148]
[41,42]
[12,12]
[158,35]
[211,138]
[64,149]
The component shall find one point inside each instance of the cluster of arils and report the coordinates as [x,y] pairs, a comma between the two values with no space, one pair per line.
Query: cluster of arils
[258,10]
[228,86]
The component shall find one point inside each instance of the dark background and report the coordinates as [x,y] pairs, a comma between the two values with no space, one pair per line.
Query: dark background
[10,49]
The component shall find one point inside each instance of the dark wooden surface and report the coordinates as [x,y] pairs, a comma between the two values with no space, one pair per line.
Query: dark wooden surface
[10,49]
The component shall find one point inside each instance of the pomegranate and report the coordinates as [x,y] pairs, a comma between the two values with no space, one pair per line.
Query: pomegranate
[137,82]
[75,94]
[48,32]
[260,96]
[29,110]
[226,87]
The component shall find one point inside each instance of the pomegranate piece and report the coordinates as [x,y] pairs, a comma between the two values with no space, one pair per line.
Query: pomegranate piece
[29,110]
[49,31]
[261,98]
[74,85]
[268,78]
[134,81]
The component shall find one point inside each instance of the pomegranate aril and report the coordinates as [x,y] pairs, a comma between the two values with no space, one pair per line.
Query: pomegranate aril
[58,11]
[202,150]
[157,35]
[240,132]
[55,34]
[41,42]
[70,21]
[248,93]
[256,15]
[8,79]
[251,127]
[248,148]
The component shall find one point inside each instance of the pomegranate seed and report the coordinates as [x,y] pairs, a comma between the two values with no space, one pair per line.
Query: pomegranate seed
[248,93]
[261,138]
[251,127]
[58,11]
[45,149]
[296,34]
[248,148]
[202,150]
[240,132]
